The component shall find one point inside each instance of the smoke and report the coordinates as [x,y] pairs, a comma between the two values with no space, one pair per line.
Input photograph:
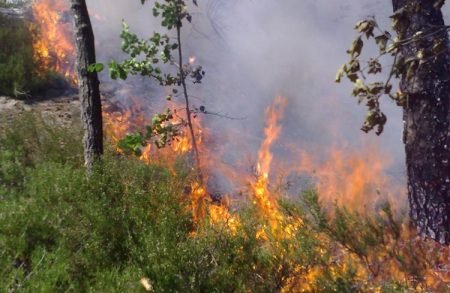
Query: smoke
[254,50]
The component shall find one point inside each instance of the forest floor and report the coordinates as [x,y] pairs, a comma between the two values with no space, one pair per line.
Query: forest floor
[62,110]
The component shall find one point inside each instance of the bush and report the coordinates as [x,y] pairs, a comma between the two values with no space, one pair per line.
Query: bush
[18,73]
[61,230]
[16,56]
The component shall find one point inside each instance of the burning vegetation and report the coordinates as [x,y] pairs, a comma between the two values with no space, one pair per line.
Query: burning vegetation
[372,250]
[54,50]
[338,237]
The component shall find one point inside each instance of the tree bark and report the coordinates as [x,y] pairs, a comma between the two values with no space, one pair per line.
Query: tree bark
[426,118]
[88,84]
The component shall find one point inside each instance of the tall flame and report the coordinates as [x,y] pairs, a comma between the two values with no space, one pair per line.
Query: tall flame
[53,40]
[262,197]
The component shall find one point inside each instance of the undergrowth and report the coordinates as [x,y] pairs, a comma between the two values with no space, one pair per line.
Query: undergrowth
[63,231]
[19,75]
[12,4]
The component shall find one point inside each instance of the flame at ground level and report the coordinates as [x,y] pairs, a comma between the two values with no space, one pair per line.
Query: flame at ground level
[118,122]
[352,178]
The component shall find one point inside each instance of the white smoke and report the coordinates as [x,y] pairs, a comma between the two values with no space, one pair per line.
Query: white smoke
[254,50]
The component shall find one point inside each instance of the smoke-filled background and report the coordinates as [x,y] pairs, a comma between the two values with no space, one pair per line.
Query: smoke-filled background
[253,51]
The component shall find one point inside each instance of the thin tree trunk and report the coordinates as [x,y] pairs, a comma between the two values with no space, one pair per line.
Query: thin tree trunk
[88,84]
[427,117]
[186,97]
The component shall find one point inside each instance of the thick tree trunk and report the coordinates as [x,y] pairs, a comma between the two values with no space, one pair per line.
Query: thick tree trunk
[88,84]
[427,117]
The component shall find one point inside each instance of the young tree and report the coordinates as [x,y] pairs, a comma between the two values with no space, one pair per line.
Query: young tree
[88,83]
[146,57]
[422,62]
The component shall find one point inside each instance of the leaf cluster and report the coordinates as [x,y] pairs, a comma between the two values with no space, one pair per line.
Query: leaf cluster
[148,58]
[162,131]
[425,47]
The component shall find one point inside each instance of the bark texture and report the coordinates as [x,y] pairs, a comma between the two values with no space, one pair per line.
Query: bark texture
[88,83]
[427,117]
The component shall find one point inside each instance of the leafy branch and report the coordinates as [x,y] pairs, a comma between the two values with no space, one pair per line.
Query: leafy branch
[406,67]
[146,57]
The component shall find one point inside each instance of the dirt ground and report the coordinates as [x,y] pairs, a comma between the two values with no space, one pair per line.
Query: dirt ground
[63,110]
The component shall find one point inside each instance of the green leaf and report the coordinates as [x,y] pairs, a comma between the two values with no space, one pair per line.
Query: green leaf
[132,143]
[96,67]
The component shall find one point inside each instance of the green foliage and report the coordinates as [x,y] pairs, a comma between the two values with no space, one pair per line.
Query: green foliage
[61,230]
[377,240]
[96,67]
[162,131]
[16,56]
[18,74]
[31,142]
[149,58]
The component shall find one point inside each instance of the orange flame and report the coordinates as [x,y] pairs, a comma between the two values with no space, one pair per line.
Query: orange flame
[354,179]
[53,41]
[119,122]
[262,197]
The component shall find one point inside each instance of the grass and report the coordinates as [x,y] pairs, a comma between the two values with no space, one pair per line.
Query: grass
[63,231]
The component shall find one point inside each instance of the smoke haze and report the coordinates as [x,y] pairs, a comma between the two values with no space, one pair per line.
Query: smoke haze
[254,50]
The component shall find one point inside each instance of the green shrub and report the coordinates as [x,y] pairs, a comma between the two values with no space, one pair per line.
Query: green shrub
[61,230]
[18,70]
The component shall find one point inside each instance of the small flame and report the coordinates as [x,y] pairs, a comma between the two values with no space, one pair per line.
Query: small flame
[120,122]
[198,201]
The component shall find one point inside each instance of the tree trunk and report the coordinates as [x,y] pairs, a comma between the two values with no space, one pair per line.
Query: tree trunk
[88,84]
[426,118]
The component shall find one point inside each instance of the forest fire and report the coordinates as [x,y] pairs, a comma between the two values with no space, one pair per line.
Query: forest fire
[53,46]
[121,121]
[354,179]
[299,216]
[118,123]
[261,194]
